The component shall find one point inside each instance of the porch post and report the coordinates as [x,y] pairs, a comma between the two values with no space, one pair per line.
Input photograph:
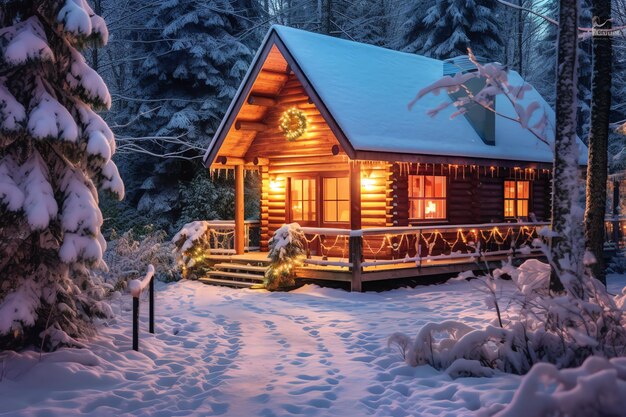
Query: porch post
[239,217]
[356,242]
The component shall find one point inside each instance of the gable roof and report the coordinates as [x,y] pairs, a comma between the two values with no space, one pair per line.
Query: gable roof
[363,92]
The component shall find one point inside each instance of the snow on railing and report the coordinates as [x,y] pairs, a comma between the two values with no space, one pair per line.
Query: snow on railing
[136,288]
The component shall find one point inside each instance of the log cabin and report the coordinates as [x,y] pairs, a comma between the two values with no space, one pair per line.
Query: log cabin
[381,191]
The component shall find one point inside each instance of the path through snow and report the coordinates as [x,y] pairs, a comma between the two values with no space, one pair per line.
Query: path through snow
[220,351]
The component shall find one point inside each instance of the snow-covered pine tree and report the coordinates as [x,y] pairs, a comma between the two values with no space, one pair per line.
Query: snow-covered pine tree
[449,27]
[55,152]
[543,54]
[195,58]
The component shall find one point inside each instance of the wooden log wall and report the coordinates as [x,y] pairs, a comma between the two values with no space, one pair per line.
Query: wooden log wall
[474,195]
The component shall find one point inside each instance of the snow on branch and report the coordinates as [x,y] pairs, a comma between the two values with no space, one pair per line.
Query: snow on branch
[87,83]
[496,81]
[39,204]
[77,18]
[49,118]
[26,42]
[12,113]
[10,194]
[81,219]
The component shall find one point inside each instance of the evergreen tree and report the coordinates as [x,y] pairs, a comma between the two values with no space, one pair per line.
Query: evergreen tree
[543,76]
[195,60]
[55,152]
[449,27]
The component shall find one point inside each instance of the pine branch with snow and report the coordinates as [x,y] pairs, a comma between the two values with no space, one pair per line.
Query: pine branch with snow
[55,153]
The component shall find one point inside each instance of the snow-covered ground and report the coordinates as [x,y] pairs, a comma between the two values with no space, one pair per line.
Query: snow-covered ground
[220,351]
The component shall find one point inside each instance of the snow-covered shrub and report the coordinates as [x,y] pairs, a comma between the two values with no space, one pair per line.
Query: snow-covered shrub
[193,243]
[596,388]
[286,253]
[55,153]
[128,257]
[538,326]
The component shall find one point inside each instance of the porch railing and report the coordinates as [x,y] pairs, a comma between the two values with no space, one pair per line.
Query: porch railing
[419,245]
[222,236]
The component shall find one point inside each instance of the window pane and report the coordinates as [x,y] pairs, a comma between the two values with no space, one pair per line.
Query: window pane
[509,189]
[296,190]
[330,211]
[522,208]
[435,209]
[343,188]
[343,208]
[305,189]
[330,188]
[429,189]
[440,186]
[522,189]
[509,208]
[415,185]
[415,209]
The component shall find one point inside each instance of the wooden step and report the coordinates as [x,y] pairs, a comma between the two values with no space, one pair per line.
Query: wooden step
[236,276]
[240,267]
[229,283]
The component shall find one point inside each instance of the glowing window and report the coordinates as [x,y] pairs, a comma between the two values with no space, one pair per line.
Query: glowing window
[516,197]
[336,199]
[427,197]
[303,202]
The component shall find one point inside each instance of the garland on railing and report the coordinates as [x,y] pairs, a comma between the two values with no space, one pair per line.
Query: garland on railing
[433,244]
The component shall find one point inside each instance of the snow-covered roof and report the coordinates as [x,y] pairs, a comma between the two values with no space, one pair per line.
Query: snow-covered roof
[367,90]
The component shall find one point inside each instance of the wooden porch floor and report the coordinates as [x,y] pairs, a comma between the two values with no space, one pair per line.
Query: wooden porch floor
[376,272]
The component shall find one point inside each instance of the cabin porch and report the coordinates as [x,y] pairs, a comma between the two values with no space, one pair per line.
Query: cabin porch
[366,255]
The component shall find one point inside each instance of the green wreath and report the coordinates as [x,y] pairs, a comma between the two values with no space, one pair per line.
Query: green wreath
[293,123]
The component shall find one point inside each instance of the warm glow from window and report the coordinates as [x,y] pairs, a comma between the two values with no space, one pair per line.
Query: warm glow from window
[427,197]
[336,199]
[303,200]
[516,198]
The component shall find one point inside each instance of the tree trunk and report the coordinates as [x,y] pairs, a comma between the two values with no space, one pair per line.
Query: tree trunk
[598,141]
[566,246]
[520,39]
[326,16]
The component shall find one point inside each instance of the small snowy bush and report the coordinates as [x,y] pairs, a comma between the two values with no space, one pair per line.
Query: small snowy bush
[286,253]
[563,329]
[129,256]
[193,243]
[596,388]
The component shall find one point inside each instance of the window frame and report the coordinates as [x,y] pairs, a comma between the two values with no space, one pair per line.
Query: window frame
[424,198]
[323,200]
[289,200]
[516,199]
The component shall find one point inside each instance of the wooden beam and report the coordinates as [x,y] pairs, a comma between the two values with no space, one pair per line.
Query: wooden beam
[273,75]
[260,161]
[246,125]
[230,160]
[239,211]
[335,150]
[261,101]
